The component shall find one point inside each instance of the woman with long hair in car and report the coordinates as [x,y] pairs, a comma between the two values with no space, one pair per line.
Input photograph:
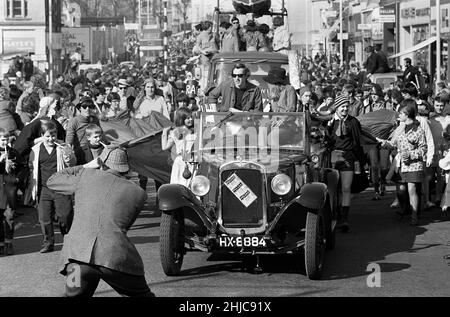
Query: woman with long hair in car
[182,138]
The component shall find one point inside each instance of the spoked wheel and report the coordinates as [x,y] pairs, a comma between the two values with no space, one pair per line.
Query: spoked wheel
[171,246]
[315,243]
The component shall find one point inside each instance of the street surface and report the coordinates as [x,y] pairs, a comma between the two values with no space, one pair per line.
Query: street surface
[410,259]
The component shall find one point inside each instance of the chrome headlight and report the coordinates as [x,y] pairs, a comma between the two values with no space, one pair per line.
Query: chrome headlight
[281,184]
[200,186]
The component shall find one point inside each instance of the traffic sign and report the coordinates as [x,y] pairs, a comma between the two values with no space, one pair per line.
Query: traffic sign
[364,27]
[387,19]
[344,36]
[151,48]
[331,14]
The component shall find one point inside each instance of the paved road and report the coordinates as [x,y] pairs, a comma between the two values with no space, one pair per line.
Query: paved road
[410,259]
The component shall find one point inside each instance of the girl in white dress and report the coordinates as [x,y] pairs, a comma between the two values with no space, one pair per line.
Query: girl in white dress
[183,138]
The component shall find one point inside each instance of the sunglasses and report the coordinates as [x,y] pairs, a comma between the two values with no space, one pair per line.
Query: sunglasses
[238,75]
[122,88]
[236,22]
[86,107]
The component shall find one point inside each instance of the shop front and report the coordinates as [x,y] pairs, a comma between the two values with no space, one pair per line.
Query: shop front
[415,18]
[20,42]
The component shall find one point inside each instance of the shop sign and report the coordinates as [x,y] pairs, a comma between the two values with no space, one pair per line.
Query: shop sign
[15,45]
[387,16]
[410,13]
[77,37]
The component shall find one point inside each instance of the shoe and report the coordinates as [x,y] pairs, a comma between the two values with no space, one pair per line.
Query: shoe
[430,205]
[376,197]
[414,219]
[47,248]
[382,190]
[345,228]
[395,204]
[9,249]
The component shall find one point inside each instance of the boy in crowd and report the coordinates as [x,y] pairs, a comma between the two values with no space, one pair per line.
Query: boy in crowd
[93,148]
[48,157]
[10,164]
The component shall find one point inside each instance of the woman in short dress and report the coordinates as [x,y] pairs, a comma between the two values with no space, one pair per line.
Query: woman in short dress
[411,146]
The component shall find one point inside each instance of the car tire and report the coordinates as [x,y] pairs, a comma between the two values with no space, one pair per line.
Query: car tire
[314,245]
[330,231]
[171,244]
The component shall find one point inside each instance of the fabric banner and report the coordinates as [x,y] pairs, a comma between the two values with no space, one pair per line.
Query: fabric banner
[258,7]
[380,123]
[142,139]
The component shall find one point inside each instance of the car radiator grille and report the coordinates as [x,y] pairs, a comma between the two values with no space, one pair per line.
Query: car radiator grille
[234,212]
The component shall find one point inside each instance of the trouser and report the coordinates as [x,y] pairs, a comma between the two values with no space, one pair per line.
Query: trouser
[6,226]
[82,280]
[50,205]
[143,180]
[385,164]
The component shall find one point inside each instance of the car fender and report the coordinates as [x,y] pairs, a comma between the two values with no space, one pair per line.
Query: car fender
[174,196]
[313,195]
[332,180]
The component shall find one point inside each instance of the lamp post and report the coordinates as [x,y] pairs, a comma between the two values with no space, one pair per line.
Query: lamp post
[307,28]
[341,41]
[438,41]
[165,39]
[50,42]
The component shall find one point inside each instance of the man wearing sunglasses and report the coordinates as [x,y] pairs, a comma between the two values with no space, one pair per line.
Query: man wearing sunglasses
[126,99]
[76,128]
[238,94]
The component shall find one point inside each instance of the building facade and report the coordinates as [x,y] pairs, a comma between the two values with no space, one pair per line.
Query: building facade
[22,30]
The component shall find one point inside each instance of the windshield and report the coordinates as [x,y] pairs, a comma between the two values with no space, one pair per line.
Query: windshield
[256,131]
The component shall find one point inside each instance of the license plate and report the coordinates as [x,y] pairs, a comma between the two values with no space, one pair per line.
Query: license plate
[240,190]
[239,242]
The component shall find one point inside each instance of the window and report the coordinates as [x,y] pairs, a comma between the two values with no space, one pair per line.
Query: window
[16,9]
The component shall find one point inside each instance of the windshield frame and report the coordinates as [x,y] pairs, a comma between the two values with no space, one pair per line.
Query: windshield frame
[305,149]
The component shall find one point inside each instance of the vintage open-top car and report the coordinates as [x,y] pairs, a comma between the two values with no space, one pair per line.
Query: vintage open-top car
[259,186]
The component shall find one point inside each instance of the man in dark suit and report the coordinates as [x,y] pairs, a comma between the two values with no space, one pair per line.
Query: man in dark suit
[383,66]
[373,61]
[411,74]
[97,247]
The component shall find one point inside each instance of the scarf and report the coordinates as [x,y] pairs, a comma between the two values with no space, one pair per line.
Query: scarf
[342,128]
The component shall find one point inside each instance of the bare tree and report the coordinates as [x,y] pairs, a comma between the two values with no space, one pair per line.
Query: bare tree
[84,6]
[182,7]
